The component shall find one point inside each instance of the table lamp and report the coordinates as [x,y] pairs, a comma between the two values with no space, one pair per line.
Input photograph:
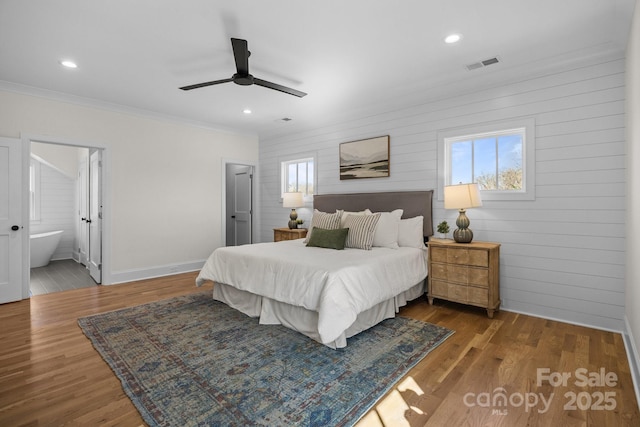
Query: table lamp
[462,196]
[293,201]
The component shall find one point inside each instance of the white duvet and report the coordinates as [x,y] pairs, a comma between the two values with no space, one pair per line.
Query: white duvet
[338,285]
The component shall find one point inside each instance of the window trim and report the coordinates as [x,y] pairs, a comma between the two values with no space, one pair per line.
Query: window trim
[296,158]
[528,156]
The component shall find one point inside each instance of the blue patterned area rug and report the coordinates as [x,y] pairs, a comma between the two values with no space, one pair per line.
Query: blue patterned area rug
[193,361]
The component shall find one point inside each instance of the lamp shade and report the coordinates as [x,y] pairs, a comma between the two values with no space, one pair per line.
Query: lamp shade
[462,196]
[292,200]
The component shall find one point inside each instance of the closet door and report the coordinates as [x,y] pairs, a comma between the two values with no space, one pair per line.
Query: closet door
[239,204]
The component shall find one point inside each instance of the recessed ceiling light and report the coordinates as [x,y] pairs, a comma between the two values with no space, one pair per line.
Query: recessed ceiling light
[246,111]
[453,38]
[68,64]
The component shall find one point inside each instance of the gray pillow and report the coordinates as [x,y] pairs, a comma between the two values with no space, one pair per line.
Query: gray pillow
[330,239]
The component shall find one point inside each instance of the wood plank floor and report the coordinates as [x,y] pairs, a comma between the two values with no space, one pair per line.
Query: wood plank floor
[51,375]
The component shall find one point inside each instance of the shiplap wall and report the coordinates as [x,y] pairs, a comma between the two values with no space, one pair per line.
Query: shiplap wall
[562,254]
[57,209]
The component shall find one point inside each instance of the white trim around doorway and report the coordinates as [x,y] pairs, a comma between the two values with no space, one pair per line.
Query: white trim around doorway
[27,138]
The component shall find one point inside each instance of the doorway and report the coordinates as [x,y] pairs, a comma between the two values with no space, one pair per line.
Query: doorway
[65,194]
[239,204]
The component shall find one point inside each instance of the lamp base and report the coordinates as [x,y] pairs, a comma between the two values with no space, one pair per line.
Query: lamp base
[463,234]
[293,219]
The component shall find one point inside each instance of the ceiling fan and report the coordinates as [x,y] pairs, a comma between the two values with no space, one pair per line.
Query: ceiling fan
[242,77]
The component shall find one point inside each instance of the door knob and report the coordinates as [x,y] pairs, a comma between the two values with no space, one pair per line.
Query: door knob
[15,227]
[88,221]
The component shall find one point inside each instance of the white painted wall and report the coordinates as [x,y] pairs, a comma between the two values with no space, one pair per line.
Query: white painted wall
[165,178]
[563,254]
[632,289]
[62,157]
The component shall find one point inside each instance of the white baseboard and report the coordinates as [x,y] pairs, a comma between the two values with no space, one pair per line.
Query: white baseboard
[633,356]
[619,330]
[159,271]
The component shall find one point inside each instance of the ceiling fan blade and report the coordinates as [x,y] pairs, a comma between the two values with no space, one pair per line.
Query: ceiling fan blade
[241,54]
[275,86]
[242,77]
[198,85]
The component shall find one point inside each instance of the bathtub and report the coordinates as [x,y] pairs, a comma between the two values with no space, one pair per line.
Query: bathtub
[43,245]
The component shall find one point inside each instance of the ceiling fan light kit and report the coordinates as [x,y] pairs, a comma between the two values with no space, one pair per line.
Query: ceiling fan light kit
[242,76]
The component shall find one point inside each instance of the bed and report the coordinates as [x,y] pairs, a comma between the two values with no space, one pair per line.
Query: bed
[330,295]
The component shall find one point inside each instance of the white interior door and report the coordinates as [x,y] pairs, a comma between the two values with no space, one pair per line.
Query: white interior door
[95,216]
[83,212]
[11,229]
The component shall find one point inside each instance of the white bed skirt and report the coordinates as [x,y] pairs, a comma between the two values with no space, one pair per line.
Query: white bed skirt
[305,321]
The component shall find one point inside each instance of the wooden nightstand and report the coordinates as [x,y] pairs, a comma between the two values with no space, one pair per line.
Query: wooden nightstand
[286,233]
[468,273]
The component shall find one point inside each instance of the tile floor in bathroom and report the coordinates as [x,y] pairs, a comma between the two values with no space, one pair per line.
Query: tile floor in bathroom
[58,276]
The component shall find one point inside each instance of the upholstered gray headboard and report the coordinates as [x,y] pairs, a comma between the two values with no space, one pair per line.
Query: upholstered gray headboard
[413,203]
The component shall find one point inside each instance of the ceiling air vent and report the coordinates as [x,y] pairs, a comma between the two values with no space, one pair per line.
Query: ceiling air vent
[284,119]
[482,64]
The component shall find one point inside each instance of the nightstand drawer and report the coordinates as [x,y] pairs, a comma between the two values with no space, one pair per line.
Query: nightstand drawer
[468,257]
[460,256]
[280,234]
[460,293]
[460,274]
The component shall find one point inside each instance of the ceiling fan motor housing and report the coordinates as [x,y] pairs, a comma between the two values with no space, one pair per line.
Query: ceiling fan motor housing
[243,80]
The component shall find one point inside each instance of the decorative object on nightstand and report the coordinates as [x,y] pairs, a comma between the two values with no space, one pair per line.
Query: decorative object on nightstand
[293,201]
[443,228]
[284,233]
[467,273]
[461,197]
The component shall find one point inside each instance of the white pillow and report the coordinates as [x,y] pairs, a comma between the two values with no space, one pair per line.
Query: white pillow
[345,214]
[323,220]
[387,230]
[410,233]
[361,230]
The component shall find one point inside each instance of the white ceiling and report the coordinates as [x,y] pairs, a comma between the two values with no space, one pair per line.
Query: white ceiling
[350,56]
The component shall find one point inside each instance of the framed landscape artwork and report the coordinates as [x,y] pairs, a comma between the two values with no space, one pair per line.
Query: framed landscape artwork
[367,158]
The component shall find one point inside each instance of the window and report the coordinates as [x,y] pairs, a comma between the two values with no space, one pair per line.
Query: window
[493,161]
[298,175]
[498,157]
[34,190]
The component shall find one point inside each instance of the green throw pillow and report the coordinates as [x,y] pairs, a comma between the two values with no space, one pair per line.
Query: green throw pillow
[331,239]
